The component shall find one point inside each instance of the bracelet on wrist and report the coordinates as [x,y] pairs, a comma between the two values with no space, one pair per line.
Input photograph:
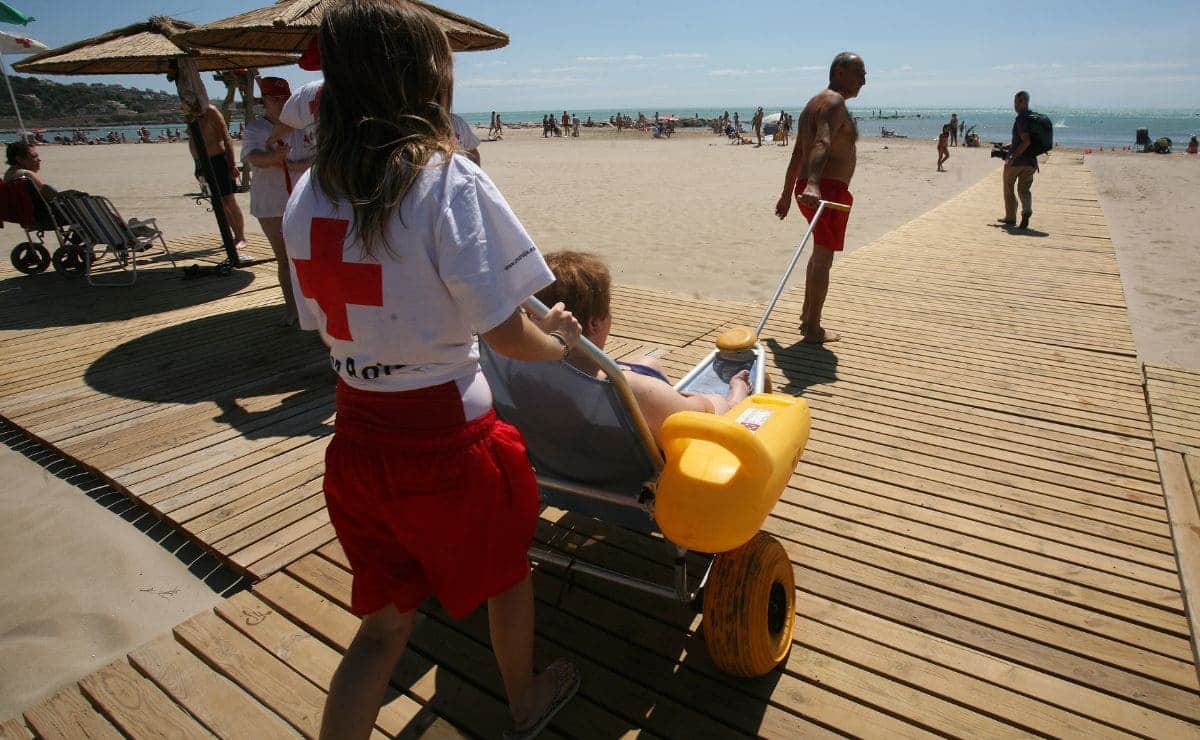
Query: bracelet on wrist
[566,347]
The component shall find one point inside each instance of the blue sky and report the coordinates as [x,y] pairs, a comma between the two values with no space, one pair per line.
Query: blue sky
[668,54]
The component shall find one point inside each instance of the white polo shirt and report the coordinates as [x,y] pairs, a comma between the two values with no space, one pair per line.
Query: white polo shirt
[268,186]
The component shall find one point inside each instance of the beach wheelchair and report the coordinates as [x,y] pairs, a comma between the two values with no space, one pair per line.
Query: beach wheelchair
[23,204]
[707,491]
[102,232]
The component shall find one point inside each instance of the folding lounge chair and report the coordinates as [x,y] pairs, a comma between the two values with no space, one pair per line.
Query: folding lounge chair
[22,203]
[594,455]
[104,229]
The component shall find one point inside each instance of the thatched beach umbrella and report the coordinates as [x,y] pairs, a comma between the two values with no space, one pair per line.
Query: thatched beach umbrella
[154,47]
[289,25]
[149,47]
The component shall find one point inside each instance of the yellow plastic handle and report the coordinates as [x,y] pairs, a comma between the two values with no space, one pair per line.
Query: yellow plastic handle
[681,428]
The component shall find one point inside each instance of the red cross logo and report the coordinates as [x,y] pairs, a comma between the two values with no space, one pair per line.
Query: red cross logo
[334,283]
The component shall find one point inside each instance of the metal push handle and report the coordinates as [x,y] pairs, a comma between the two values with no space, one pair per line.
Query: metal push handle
[617,378]
[821,206]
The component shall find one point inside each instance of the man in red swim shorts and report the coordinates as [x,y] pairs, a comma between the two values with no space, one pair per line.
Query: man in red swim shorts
[821,167]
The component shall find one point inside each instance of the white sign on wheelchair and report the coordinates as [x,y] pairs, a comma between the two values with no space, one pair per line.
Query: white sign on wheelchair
[753,419]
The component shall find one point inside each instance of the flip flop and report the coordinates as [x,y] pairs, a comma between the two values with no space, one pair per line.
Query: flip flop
[566,685]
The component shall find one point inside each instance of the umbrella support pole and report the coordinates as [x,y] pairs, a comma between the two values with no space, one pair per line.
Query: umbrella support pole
[21,135]
[204,164]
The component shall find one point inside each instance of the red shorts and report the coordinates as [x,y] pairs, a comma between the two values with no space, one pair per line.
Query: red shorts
[426,503]
[830,231]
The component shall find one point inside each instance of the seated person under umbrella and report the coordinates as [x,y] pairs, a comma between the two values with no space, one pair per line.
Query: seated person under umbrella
[23,161]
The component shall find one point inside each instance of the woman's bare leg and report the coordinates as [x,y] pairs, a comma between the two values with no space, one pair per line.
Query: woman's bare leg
[361,679]
[273,229]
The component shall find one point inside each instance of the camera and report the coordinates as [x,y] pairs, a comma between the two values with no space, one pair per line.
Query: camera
[1000,150]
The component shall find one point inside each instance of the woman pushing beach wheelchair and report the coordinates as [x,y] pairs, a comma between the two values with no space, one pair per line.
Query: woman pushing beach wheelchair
[452,379]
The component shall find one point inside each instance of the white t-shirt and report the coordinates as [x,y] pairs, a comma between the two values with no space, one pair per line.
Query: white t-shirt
[460,264]
[268,186]
[300,112]
[467,140]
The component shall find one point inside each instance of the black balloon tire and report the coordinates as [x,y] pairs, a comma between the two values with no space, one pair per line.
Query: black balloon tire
[69,261]
[30,258]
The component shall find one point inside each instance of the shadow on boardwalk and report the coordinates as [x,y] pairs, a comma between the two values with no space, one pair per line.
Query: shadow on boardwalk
[50,299]
[205,360]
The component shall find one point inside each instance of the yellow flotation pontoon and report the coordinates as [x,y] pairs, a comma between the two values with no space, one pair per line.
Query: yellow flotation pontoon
[707,491]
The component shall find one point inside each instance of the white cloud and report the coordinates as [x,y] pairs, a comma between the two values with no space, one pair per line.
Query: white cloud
[520,82]
[677,55]
[762,71]
[492,63]
[625,58]
[568,69]
[1137,66]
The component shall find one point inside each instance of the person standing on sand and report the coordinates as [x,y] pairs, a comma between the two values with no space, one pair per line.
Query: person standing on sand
[757,122]
[953,130]
[1019,167]
[218,150]
[821,168]
[943,147]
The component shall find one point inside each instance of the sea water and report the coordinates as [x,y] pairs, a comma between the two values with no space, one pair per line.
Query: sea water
[1073,127]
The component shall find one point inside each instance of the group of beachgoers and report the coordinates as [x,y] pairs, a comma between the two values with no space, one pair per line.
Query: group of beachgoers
[731,127]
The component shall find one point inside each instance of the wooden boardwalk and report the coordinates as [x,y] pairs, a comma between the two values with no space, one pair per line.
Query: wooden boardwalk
[981,542]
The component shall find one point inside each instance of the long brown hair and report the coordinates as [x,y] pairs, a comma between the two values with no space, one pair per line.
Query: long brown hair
[384,110]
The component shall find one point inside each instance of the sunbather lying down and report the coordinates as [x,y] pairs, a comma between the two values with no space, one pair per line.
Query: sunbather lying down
[583,284]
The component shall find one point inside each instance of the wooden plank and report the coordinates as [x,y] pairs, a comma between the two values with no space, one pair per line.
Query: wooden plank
[316,661]
[268,679]
[67,715]
[1185,528]
[218,704]
[474,710]
[14,729]
[136,706]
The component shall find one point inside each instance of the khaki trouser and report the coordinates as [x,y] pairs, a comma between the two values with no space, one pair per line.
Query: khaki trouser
[1022,176]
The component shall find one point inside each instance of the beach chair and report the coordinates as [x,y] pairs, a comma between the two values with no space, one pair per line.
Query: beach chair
[707,494]
[106,233]
[21,202]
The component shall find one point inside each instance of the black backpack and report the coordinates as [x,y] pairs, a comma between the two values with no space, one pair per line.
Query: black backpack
[1041,134]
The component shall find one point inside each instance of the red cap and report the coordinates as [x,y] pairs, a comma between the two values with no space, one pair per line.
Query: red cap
[274,87]
[311,58]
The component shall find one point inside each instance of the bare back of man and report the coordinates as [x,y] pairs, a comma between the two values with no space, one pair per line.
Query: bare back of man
[821,167]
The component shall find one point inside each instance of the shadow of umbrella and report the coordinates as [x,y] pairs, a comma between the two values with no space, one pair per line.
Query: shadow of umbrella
[51,299]
[267,381]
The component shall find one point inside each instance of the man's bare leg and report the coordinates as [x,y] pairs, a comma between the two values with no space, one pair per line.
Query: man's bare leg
[237,223]
[361,679]
[816,287]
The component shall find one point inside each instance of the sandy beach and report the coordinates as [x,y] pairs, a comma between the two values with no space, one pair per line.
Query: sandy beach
[692,215]
[81,585]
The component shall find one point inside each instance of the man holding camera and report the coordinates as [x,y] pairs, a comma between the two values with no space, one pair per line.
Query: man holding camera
[1019,167]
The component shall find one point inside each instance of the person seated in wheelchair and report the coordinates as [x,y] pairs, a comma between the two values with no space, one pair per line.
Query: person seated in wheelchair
[23,161]
[583,284]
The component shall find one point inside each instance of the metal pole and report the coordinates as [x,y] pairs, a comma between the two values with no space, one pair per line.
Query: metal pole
[821,205]
[13,98]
